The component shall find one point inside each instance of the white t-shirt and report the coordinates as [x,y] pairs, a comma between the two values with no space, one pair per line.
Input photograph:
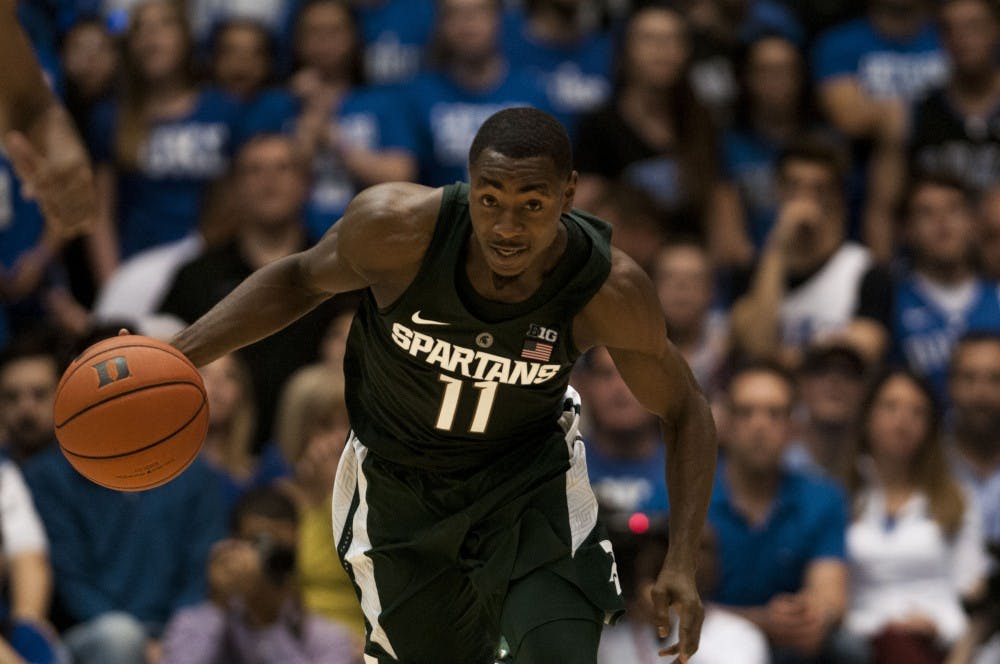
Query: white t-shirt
[725,638]
[20,525]
[908,566]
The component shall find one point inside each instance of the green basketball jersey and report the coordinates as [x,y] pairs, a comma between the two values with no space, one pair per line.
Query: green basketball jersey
[446,380]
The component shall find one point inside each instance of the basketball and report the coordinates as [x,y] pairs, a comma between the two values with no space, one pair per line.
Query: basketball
[131,413]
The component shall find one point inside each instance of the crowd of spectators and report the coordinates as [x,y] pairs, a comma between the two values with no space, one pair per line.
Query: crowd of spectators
[812,185]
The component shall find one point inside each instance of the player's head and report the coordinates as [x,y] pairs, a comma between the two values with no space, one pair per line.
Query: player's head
[939,222]
[29,373]
[521,181]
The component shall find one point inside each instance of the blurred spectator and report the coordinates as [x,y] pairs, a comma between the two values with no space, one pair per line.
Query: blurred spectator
[557,38]
[974,387]
[626,455]
[725,637]
[351,134]
[954,130]
[270,186]
[988,234]
[635,220]
[811,284]
[395,35]
[335,341]
[868,68]
[773,110]
[242,58]
[254,614]
[654,134]
[721,28]
[27,575]
[90,62]
[207,15]
[915,543]
[228,447]
[469,80]
[123,561]
[311,434]
[832,383]
[685,286]
[940,297]
[780,532]
[160,144]
[29,373]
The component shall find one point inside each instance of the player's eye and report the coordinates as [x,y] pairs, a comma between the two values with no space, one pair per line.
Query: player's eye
[488,200]
[533,205]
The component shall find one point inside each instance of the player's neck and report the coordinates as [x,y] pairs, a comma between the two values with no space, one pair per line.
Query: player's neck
[519,288]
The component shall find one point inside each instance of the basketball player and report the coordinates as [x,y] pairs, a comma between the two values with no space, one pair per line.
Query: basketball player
[462,509]
[38,135]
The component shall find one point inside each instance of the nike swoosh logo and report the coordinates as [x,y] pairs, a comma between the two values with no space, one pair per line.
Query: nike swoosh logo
[423,321]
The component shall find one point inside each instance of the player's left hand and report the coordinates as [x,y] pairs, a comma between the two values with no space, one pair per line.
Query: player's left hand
[53,166]
[675,590]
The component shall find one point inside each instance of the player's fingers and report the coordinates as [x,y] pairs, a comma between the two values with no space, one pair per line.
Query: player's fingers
[661,610]
[26,161]
[691,615]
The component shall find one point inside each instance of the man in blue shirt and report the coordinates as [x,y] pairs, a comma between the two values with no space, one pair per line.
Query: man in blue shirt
[445,107]
[941,296]
[780,532]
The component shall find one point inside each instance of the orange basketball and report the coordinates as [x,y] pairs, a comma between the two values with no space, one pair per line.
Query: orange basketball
[131,413]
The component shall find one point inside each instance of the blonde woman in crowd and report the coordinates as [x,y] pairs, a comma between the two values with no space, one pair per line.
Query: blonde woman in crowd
[915,544]
[311,432]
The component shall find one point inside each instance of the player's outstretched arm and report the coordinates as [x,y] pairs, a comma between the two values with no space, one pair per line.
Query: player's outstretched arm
[625,317]
[39,136]
[379,236]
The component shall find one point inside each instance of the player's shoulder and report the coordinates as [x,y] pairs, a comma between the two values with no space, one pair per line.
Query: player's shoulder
[623,312]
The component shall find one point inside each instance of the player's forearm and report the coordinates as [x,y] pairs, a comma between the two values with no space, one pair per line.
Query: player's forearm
[264,303]
[24,96]
[691,456]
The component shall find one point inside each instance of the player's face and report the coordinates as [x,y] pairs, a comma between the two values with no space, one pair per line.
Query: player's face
[27,390]
[760,412]
[940,225]
[515,206]
[975,389]
[970,33]
[899,421]
[158,42]
[241,64]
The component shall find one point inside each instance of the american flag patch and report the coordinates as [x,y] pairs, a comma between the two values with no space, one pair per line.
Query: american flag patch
[536,350]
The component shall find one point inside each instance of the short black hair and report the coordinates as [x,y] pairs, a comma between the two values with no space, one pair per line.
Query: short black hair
[940,179]
[522,133]
[267,501]
[818,148]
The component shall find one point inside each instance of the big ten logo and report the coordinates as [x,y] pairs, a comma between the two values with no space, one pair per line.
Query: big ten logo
[542,333]
[110,371]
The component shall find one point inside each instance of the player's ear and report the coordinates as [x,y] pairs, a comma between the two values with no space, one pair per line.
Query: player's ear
[569,193]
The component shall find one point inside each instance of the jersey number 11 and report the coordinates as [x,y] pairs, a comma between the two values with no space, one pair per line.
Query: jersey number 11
[449,404]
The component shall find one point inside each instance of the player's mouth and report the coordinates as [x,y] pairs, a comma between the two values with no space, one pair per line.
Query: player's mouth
[507,254]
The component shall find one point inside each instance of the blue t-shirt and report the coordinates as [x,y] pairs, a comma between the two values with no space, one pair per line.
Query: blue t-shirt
[886,68]
[808,522]
[629,485]
[395,35]
[749,161]
[924,334]
[21,226]
[577,76]
[161,201]
[144,553]
[442,119]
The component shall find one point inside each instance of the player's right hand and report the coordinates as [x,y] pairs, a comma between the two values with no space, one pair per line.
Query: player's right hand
[55,171]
